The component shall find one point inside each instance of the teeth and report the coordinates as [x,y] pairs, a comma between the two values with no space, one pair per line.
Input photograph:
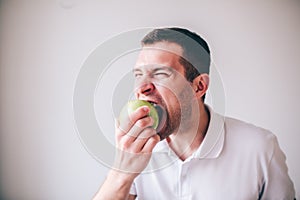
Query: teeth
[154,104]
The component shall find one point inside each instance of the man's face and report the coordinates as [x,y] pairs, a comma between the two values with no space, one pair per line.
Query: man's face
[160,79]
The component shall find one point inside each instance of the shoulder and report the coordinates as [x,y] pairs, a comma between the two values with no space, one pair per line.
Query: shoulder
[246,135]
[244,129]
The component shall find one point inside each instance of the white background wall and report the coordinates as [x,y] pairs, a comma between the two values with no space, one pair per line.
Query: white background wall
[255,45]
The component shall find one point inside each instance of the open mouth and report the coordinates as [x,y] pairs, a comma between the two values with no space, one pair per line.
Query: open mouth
[153,103]
[162,115]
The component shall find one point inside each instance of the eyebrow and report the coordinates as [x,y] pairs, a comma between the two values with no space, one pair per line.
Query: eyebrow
[155,69]
[170,69]
[136,70]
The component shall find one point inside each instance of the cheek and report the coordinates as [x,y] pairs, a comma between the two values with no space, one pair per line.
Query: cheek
[175,91]
[172,105]
[176,94]
[180,96]
[168,96]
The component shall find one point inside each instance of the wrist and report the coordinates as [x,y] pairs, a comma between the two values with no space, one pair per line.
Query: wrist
[123,178]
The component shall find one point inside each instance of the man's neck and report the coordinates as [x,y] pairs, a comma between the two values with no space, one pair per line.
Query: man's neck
[185,142]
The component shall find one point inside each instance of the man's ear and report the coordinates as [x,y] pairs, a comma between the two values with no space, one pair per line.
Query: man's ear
[200,85]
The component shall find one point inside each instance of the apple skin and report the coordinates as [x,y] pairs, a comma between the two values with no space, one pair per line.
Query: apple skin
[133,105]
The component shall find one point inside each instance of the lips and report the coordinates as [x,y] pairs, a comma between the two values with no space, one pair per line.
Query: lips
[154,103]
[162,114]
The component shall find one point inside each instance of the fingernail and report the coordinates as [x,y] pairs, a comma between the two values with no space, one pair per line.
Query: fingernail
[145,108]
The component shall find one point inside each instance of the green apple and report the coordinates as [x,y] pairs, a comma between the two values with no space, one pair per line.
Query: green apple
[133,105]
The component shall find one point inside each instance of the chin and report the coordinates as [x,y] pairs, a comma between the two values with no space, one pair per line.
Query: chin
[164,133]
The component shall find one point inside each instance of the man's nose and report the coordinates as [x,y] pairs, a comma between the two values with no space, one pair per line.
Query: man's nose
[146,89]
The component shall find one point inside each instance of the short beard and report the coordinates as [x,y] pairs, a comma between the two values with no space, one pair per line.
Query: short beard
[180,118]
[172,124]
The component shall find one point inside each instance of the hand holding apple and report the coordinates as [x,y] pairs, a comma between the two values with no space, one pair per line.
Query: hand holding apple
[133,105]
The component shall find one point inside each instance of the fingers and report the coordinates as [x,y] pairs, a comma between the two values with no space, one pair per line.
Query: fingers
[140,125]
[150,144]
[136,144]
[133,124]
[133,133]
[129,120]
[142,140]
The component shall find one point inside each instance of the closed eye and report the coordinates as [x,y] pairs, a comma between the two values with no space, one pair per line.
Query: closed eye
[137,73]
[162,74]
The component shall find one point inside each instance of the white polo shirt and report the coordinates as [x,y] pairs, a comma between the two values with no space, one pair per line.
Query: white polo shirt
[236,161]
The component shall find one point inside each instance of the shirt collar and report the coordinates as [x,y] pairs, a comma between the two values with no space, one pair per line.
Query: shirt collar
[212,144]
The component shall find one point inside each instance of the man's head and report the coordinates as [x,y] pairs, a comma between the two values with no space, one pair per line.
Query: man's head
[165,75]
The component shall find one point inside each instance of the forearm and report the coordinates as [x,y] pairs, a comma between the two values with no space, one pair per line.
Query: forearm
[115,187]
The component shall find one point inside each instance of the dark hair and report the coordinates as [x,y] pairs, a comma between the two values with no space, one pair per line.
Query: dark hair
[196,53]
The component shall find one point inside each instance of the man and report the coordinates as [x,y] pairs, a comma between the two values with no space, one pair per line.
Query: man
[198,154]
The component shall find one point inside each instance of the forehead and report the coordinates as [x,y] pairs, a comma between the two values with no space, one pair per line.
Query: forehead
[160,54]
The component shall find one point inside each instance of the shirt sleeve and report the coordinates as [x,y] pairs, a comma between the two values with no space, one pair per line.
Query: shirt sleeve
[277,183]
